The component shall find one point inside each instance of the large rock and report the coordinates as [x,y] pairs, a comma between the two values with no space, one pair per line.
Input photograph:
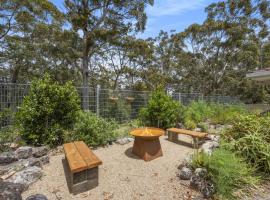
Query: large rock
[15,166]
[40,151]
[37,197]
[7,158]
[10,191]
[27,176]
[185,173]
[23,152]
[209,146]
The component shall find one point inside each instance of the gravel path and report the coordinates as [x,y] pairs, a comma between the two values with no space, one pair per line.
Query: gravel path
[122,176]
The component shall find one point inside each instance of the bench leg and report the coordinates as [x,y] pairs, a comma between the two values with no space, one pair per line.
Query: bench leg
[172,136]
[196,142]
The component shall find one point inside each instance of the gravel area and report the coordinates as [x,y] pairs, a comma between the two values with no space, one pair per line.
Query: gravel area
[123,176]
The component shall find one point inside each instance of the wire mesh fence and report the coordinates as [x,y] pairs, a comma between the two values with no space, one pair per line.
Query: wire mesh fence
[121,105]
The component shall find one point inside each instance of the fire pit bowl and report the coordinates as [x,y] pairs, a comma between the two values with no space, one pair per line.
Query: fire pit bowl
[146,144]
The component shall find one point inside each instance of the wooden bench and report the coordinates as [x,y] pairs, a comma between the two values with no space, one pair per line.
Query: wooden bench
[174,132]
[82,167]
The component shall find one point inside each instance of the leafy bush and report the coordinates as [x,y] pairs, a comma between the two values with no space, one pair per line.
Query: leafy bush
[161,111]
[250,138]
[48,110]
[93,130]
[195,112]
[8,134]
[6,116]
[118,110]
[224,114]
[199,111]
[227,171]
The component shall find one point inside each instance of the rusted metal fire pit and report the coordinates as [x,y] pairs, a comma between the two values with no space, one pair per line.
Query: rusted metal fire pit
[146,144]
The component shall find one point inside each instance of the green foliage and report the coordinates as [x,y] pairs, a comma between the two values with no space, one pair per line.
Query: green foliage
[93,130]
[224,114]
[227,171]
[118,110]
[199,111]
[250,138]
[6,116]
[8,135]
[161,111]
[48,110]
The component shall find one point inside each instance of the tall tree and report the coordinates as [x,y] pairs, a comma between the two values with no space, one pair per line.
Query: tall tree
[100,22]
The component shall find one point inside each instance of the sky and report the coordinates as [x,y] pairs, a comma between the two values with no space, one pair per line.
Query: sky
[168,15]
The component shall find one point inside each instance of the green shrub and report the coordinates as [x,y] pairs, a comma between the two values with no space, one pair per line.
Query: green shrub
[250,138]
[8,134]
[199,111]
[227,171]
[195,112]
[224,114]
[161,111]
[93,130]
[48,110]
[118,110]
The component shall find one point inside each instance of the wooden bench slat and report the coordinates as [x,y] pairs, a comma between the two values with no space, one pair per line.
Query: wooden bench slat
[188,132]
[75,160]
[87,155]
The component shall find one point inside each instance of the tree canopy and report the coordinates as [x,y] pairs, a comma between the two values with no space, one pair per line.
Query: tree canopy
[94,42]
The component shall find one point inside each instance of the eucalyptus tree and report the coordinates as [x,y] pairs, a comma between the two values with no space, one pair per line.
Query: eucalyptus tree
[100,22]
[22,22]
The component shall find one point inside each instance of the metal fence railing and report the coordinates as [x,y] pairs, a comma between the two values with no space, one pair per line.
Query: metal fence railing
[122,105]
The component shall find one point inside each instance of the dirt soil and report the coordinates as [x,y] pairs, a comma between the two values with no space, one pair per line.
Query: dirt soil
[123,176]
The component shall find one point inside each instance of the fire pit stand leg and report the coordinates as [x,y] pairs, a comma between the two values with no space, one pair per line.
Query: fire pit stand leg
[147,149]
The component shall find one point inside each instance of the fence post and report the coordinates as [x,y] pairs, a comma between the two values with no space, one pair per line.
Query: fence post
[97,99]
[179,97]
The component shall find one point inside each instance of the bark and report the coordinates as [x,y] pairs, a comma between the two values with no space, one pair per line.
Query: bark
[85,76]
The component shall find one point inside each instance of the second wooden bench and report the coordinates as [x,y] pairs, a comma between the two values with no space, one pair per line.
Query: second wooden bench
[173,135]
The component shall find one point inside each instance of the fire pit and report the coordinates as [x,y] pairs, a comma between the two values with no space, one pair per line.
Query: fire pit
[146,144]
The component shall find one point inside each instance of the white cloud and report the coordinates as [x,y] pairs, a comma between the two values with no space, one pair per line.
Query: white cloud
[173,7]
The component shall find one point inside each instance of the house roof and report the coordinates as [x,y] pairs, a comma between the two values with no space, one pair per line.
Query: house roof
[260,75]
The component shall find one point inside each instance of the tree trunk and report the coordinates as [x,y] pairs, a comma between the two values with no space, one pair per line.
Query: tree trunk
[85,75]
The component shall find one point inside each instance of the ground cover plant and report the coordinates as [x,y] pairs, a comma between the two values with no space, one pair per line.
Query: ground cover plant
[161,111]
[47,111]
[227,171]
[93,130]
[250,138]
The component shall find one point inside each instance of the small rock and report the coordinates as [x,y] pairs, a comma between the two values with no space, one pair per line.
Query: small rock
[198,198]
[23,152]
[209,146]
[40,151]
[213,137]
[195,182]
[200,172]
[10,191]
[122,141]
[207,189]
[37,197]
[198,177]
[27,176]
[7,158]
[198,129]
[130,139]
[185,173]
